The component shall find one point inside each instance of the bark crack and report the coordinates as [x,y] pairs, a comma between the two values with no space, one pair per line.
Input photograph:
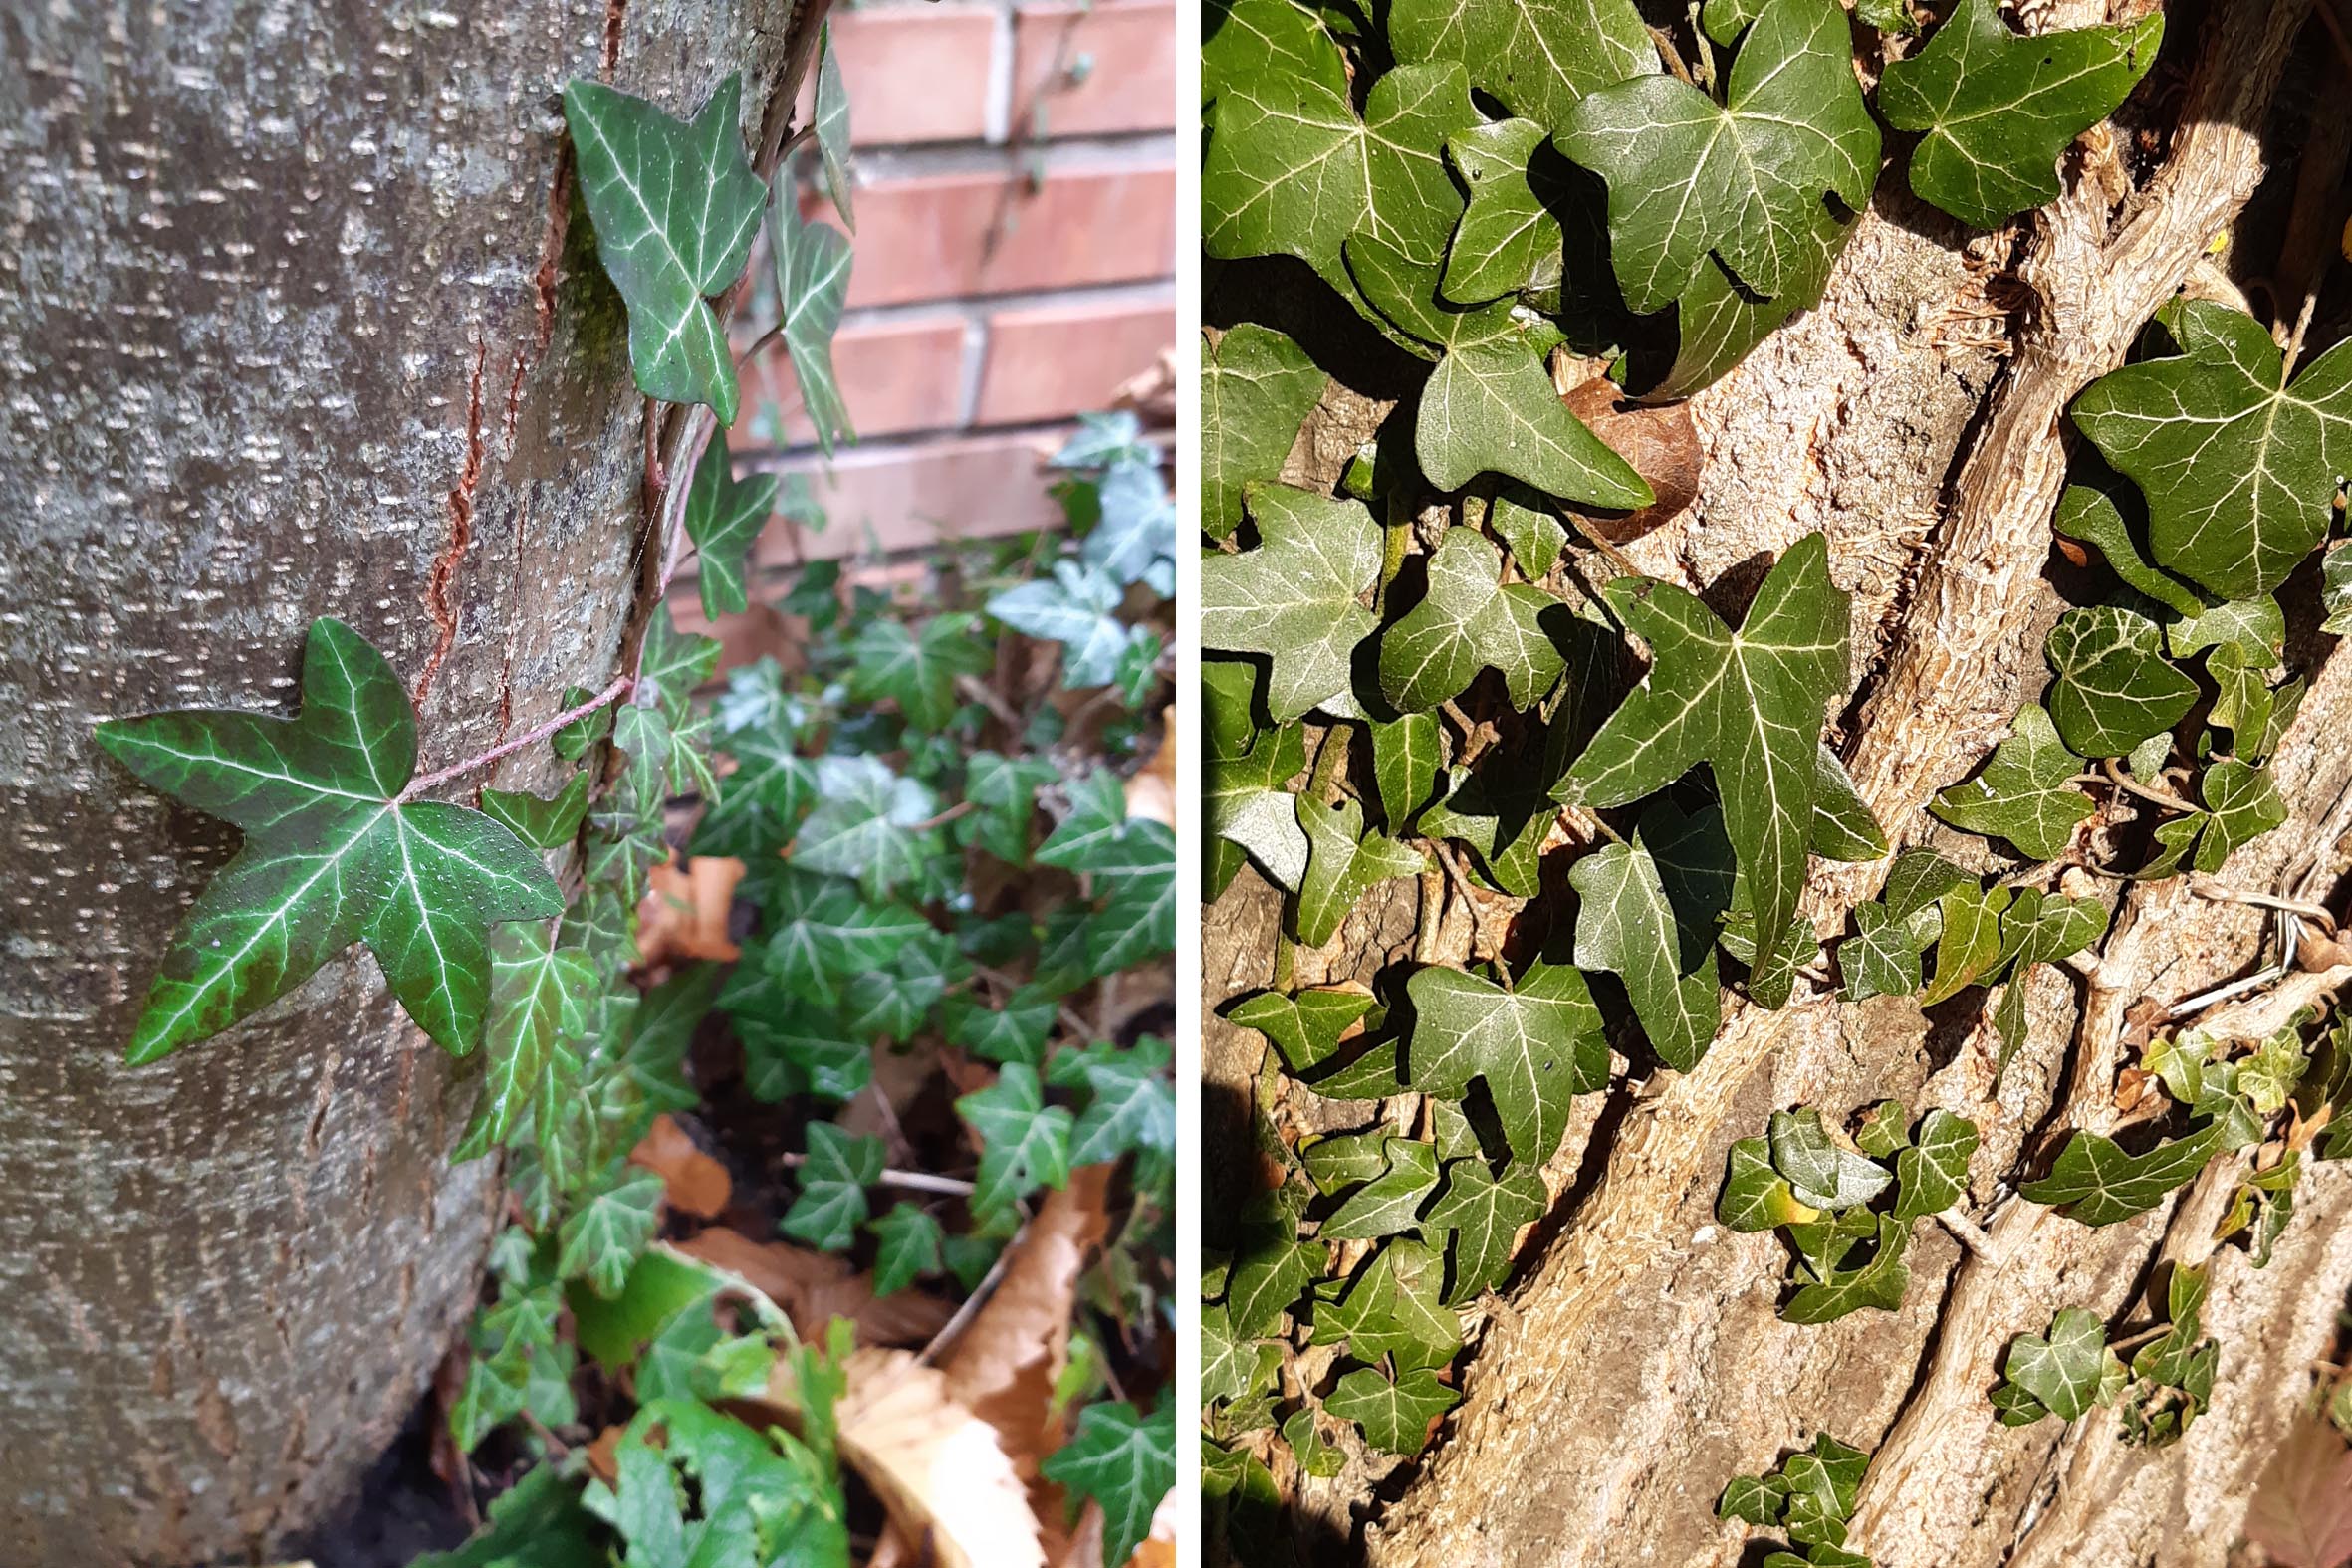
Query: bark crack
[439,600]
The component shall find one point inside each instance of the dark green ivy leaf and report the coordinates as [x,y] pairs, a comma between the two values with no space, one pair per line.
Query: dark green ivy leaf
[2026,794]
[1999,108]
[2065,1370]
[917,667]
[1466,622]
[811,262]
[1023,1142]
[1625,923]
[1295,598]
[1508,240]
[1343,862]
[1306,1027]
[543,823]
[1536,1046]
[1536,57]
[1257,388]
[1933,1174]
[832,1205]
[2114,688]
[1395,1415]
[2096,1182]
[1878,1284]
[1123,1461]
[724,517]
[1485,1216]
[1386,1204]
[676,206]
[332,854]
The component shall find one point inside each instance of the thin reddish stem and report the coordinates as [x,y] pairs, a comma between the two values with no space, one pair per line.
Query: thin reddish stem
[434,781]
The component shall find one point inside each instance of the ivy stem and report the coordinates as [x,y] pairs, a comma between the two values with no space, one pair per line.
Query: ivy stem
[758,347]
[537,733]
[2123,781]
[1328,760]
[700,422]
[1600,542]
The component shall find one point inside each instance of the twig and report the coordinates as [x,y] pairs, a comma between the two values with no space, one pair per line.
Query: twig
[1600,542]
[916,1181]
[2317,914]
[972,1303]
[759,344]
[2123,781]
[2294,341]
[988,697]
[950,814]
[1972,1235]
[417,787]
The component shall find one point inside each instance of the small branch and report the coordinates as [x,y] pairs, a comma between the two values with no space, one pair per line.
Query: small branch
[914,1181]
[972,1303]
[960,809]
[700,422]
[1973,1236]
[2318,914]
[432,780]
[1600,542]
[759,346]
[2294,343]
[2124,781]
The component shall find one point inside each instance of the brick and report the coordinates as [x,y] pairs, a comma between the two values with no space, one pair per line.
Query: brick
[1131,83]
[913,497]
[915,73]
[898,376]
[938,237]
[1054,361]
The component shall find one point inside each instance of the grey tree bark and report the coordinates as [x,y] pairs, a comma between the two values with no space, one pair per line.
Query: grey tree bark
[301,316]
[1635,1362]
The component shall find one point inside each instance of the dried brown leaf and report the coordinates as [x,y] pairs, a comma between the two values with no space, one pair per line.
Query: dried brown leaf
[684,915]
[691,1181]
[2303,1506]
[814,1287]
[1658,440]
[940,1471]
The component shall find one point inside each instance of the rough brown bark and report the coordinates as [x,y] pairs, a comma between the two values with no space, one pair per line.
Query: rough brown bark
[300,317]
[1636,1361]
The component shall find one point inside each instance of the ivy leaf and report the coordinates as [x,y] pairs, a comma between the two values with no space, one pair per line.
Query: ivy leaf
[598,1241]
[822,934]
[724,517]
[1882,958]
[1406,753]
[1394,1307]
[1131,1105]
[333,855]
[917,668]
[1754,1196]
[1999,108]
[1969,947]
[1343,862]
[1752,1499]
[1717,320]
[1016,1032]
[676,206]
[2065,1370]
[832,1205]
[1228,1364]
[2026,793]
[1307,1026]
[541,823]
[1843,828]
[1126,1462]
[1295,598]
[1748,703]
[1244,804]
[1385,1205]
[1932,1173]
[571,742]
[1347,1160]
[2096,1182]
[1395,1415]
[1742,179]
[1485,1216]
[868,824]
[811,262]
[2089,514]
[538,1012]
[1489,405]
[1024,1143]
[1536,57]
[1291,170]
[1271,1266]
[2242,805]
[1464,624]
[1878,1284]
[1077,607]
[772,785]
[1822,1173]
[1257,388]
[1664,955]
[2114,688]
[832,120]
[2238,468]
[1508,239]
[1536,1046]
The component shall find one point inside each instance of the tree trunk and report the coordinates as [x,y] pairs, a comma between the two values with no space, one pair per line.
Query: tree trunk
[302,317]
[1634,1363]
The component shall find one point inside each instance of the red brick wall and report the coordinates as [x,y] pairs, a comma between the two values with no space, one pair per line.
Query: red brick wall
[1013,266]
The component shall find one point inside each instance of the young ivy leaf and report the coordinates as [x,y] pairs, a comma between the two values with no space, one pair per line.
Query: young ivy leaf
[1126,1462]
[723,517]
[811,262]
[1743,180]
[831,122]
[1293,170]
[2096,1182]
[1878,1284]
[1536,1046]
[1395,1415]
[1392,1308]
[1485,1216]
[1932,1173]
[1245,806]
[1308,1026]
[1024,1143]
[915,668]
[2114,688]
[2242,805]
[1465,623]
[1407,752]
[547,822]
[868,824]
[2239,467]
[1882,958]
[333,855]
[2026,792]
[1508,240]
[1343,862]
[1386,1204]
[1749,703]
[1295,598]
[539,995]
[2065,1370]
[1489,406]
[1257,388]
[1822,1173]
[1754,1196]
[832,1205]
[1536,57]
[601,1239]
[676,206]
[1665,955]
[1998,109]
